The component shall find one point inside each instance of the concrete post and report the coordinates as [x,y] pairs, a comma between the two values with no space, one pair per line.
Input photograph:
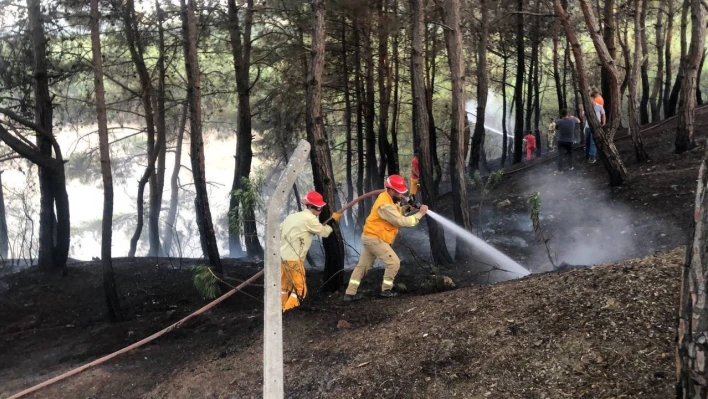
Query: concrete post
[272,315]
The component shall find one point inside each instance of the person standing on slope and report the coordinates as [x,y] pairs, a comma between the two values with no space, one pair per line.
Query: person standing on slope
[296,234]
[530,140]
[380,230]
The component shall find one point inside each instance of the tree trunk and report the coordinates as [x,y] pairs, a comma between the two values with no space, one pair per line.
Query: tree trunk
[482,86]
[676,89]
[505,136]
[608,36]
[149,102]
[644,104]
[109,283]
[519,86]
[431,62]
[322,173]
[656,97]
[684,131]
[394,166]
[372,171]
[699,97]
[241,53]
[604,138]
[556,74]
[174,184]
[358,89]
[420,123]
[384,83]
[347,122]
[4,242]
[533,66]
[634,116]
[453,34]
[201,201]
[667,57]
[161,130]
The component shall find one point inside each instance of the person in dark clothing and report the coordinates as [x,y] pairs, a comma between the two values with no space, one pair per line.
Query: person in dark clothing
[566,128]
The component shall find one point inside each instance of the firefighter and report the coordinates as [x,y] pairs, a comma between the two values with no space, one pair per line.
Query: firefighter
[415,175]
[380,230]
[296,234]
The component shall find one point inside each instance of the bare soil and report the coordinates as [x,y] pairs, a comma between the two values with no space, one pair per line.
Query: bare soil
[596,332]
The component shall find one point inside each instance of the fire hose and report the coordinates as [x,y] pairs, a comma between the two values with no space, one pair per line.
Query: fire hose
[175,325]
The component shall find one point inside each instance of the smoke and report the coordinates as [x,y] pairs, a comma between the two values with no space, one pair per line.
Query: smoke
[493,116]
[589,224]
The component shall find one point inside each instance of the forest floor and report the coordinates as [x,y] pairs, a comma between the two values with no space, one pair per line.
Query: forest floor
[595,332]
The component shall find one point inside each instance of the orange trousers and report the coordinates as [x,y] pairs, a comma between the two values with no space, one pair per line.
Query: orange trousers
[293,287]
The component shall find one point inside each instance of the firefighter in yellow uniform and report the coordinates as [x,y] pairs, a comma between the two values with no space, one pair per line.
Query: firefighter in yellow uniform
[296,234]
[380,230]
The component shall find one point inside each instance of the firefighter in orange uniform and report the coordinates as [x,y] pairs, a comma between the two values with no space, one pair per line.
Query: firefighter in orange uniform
[380,230]
[296,234]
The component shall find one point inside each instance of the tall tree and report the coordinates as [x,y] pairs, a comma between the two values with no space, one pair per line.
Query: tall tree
[420,124]
[394,165]
[692,361]
[519,85]
[633,105]
[676,89]
[161,142]
[644,103]
[149,102]
[171,228]
[372,171]
[201,201]
[347,122]
[109,283]
[4,242]
[699,97]
[656,93]
[482,83]
[686,117]
[322,173]
[603,135]
[608,36]
[505,116]
[358,93]
[453,34]
[241,53]
[556,74]
[384,82]
[667,56]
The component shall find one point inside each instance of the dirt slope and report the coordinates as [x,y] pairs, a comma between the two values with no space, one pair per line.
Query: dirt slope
[600,332]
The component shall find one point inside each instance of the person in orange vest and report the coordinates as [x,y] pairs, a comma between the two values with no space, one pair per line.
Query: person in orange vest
[296,234]
[415,175]
[380,230]
[530,145]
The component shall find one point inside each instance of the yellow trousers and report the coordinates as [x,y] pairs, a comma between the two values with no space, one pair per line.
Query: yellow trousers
[293,287]
[372,249]
[414,186]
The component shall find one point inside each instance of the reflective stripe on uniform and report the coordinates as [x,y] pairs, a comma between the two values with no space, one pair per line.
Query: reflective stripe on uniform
[354,282]
[293,295]
[387,282]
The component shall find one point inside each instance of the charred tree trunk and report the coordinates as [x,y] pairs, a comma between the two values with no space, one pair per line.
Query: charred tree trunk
[347,123]
[556,73]
[482,87]
[453,33]
[533,65]
[322,173]
[686,117]
[161,130]
[644,104]
[420,123]
[149,101]
[519,85]
[431,62]
[634,115]
[603,138]
[656,93]
[699,97]
[241,52]
[371,165]
[362,208]
[676,89]
[384,83]
[394,165]
[608,36]
[201,202]
[174,184]
[109,283]
[667,57]
[4,242]
[505,136]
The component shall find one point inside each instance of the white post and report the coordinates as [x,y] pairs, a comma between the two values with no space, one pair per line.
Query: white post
[273,315]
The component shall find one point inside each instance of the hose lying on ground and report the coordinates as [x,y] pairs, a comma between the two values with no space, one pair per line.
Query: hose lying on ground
[171,327]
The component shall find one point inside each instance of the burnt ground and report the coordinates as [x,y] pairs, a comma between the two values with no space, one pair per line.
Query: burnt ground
[605,331]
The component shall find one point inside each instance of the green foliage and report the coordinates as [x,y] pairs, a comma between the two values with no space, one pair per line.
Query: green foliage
[492,181]
[534,203]
[205,281]
[249,198]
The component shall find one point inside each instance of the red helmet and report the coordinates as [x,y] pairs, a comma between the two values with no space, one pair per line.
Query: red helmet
[397,184]
[315,199]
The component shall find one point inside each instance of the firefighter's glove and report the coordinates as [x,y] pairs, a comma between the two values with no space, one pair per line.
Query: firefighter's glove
[336,216]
